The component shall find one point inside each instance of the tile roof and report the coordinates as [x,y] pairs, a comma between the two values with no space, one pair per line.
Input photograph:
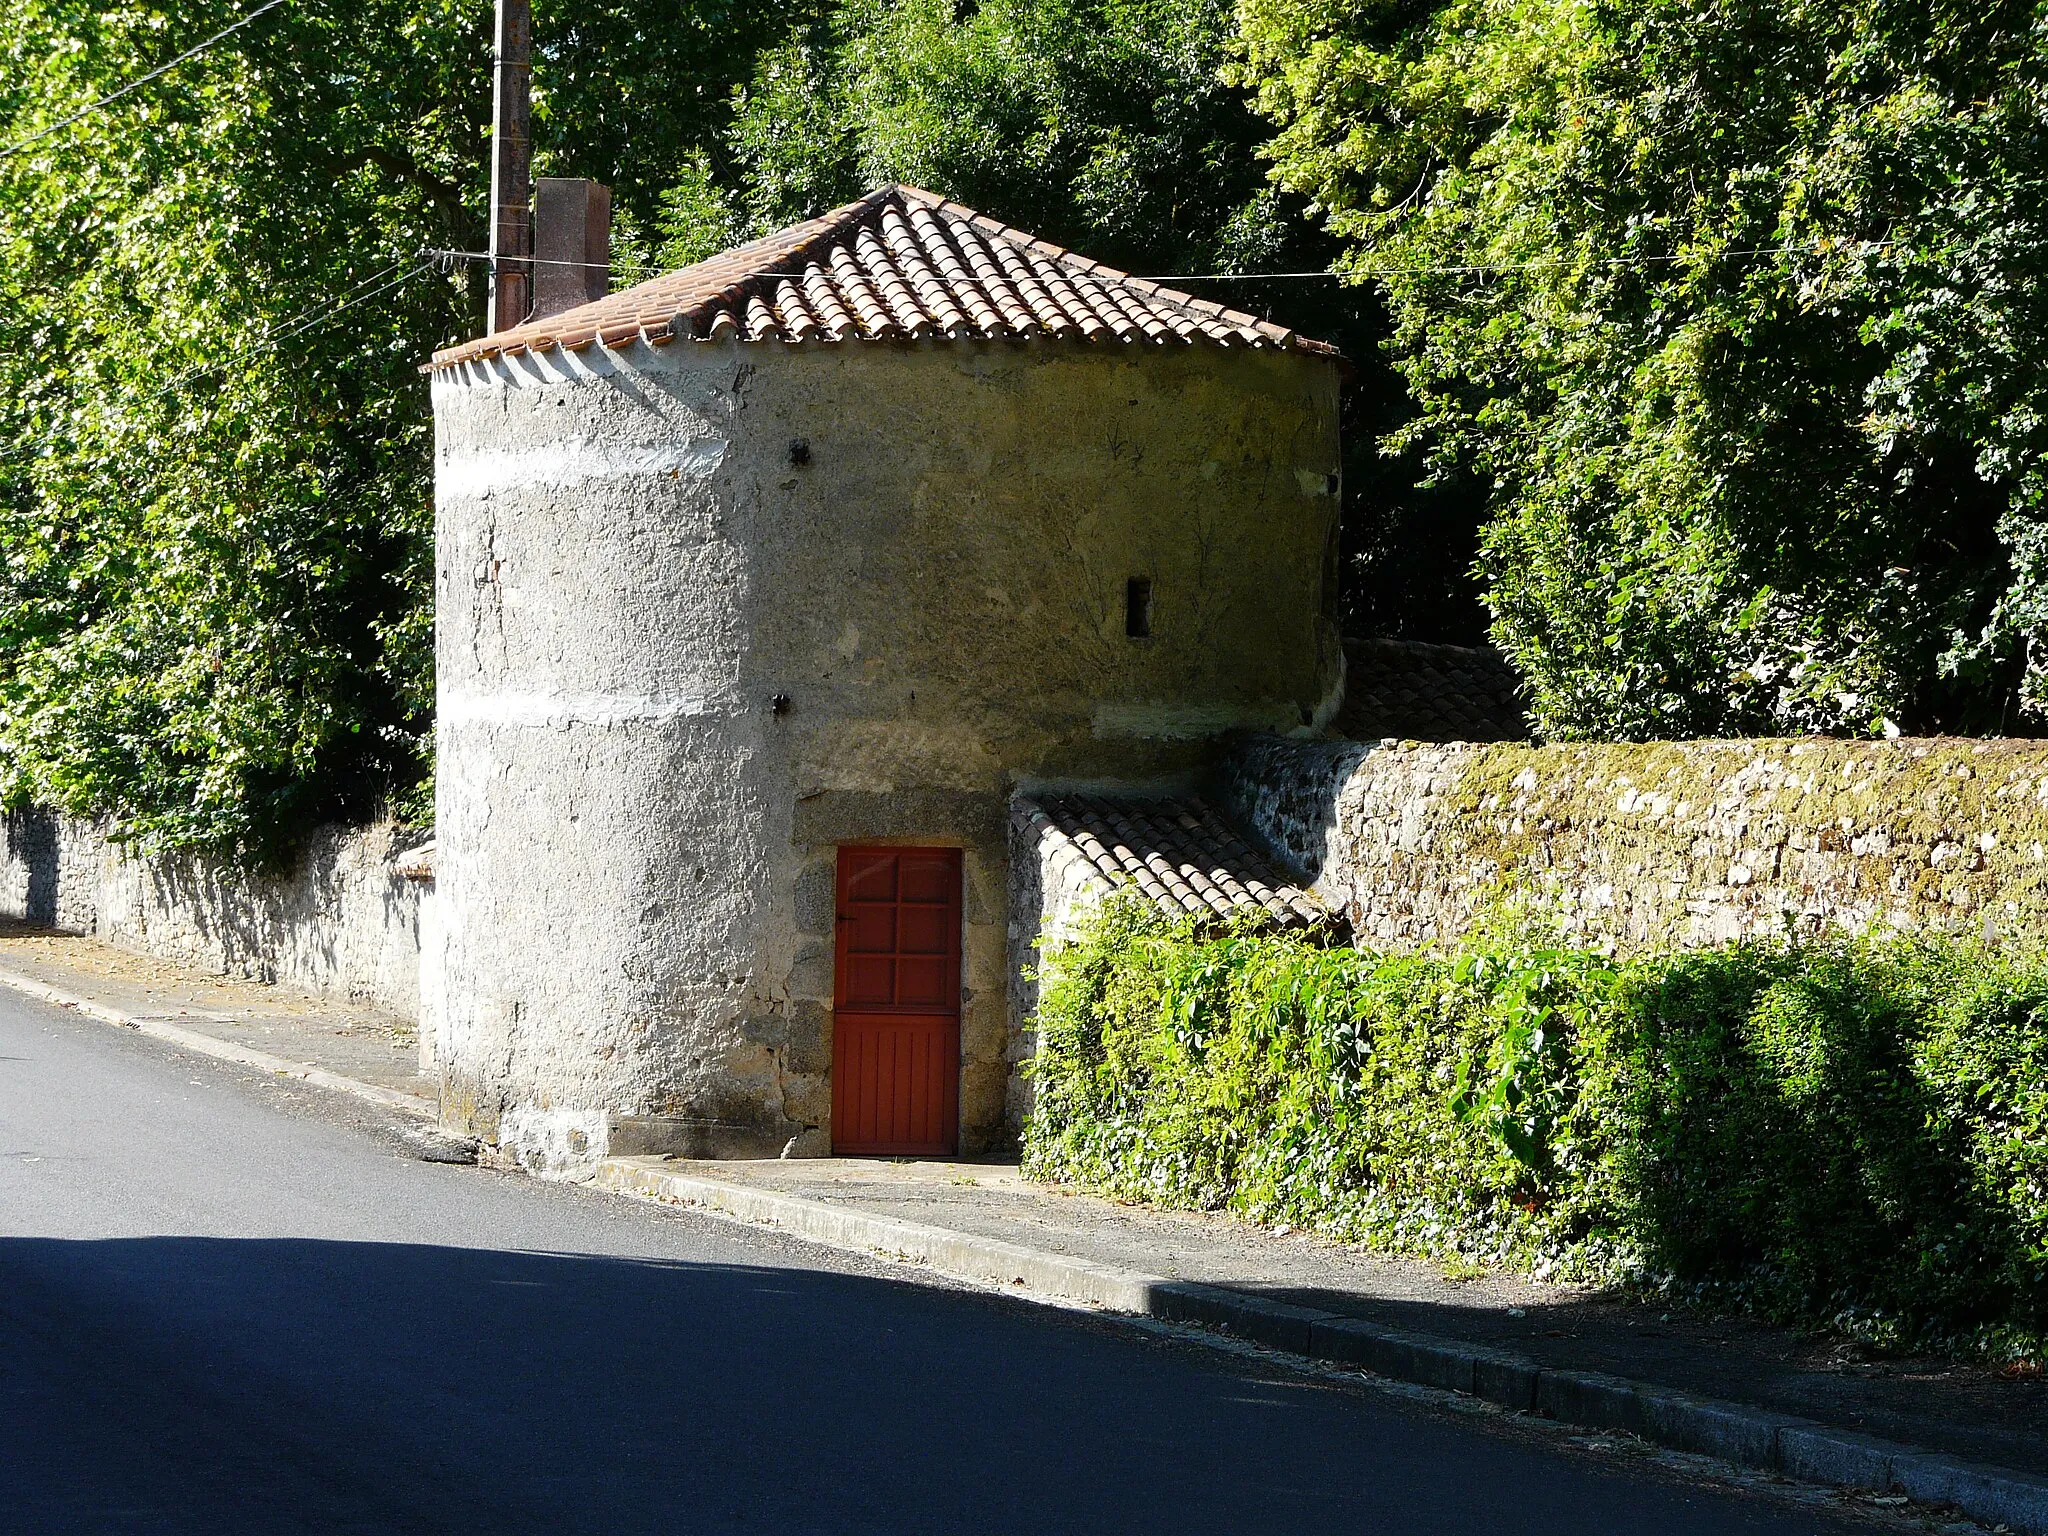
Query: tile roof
[898,264]
[1180,853]
[1420,692]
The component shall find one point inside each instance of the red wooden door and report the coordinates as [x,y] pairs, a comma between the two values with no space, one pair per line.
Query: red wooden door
[896,1003]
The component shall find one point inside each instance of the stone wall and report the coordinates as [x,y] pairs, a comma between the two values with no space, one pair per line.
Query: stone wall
[343,921]
[50,871]
[1053,887]
[1665,844]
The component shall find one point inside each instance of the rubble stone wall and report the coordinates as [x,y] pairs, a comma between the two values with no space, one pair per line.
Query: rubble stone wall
[344,921]
[1641,846]
[1053,888]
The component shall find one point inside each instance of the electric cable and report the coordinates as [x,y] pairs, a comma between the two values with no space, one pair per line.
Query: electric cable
[7,150]
[303,322]
[306,320]
[531,261]
[1458,269]
[1481,269]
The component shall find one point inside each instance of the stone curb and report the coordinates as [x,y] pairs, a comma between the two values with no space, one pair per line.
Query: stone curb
[207,1045]
[1734,1432]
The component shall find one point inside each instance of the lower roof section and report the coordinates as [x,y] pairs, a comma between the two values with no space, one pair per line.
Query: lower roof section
[1181,854]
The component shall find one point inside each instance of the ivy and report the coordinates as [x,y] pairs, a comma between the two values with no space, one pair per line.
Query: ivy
[1850,1134]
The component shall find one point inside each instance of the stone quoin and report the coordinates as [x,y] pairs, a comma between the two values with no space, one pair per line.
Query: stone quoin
[837,541]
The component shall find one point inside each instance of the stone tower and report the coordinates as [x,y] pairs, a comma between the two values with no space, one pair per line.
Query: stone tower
[830,542]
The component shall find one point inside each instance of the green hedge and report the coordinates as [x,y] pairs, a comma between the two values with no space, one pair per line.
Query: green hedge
[1852,1134]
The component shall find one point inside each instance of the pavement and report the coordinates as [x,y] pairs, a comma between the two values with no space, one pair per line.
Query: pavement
[147,1216]
[344,1043]
[234,1302]
[1967,1411]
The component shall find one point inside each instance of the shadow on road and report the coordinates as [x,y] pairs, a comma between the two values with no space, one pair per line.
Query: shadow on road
[203,1384]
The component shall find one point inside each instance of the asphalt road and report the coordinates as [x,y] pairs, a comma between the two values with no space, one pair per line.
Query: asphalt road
[229,1304]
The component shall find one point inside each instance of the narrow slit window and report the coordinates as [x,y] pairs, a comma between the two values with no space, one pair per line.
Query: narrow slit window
[1138,607]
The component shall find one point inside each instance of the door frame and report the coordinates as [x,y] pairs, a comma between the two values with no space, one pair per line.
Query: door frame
[954,1057]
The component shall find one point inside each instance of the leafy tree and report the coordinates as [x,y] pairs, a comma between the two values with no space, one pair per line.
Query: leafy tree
[214,457]
[215,478]
[1107,126]
[1736,306]
[1099,120]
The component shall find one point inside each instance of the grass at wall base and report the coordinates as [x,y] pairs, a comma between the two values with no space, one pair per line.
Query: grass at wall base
[1849,1134]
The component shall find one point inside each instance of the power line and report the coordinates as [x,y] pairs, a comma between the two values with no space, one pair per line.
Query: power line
[19,145]
[307,320]
[1475,269]
[1226,277]
[1470,269]
[532,261]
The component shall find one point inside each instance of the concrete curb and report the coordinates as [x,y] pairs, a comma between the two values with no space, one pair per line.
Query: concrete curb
[1734,1432]
[207,1045]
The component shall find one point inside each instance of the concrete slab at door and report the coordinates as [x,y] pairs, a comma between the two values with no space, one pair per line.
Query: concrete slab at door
[896,1003]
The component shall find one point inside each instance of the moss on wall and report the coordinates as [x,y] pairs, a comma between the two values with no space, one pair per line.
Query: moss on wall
[1659,845]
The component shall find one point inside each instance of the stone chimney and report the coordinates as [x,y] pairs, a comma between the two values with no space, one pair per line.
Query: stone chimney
[572,243]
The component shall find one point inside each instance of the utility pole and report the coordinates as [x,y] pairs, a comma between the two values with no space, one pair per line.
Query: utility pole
[512,166]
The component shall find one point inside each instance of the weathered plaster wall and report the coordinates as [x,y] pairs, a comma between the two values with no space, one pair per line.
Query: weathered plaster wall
[682,659]
[1667,844]
[344,920]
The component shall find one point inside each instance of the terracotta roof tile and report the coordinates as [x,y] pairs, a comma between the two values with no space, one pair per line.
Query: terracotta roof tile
[898,263]
[1181,854]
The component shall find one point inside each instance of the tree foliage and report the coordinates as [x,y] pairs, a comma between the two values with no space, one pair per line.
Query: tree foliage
[1107,126]
[1725,310]
[1736,306]
[215,479]
[1102,123]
